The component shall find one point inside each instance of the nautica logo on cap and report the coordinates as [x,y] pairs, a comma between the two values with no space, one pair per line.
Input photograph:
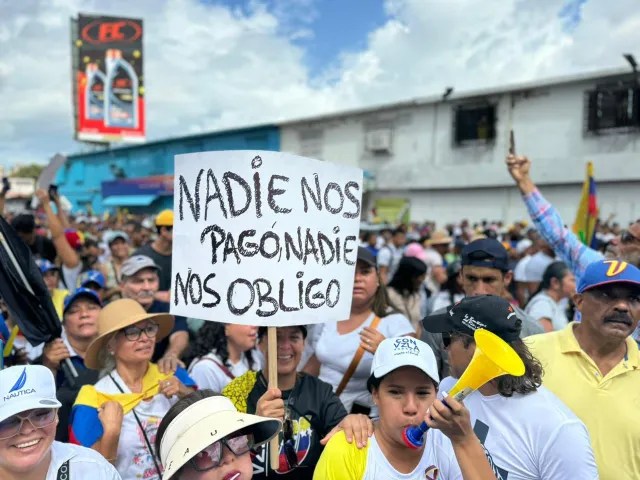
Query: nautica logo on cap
[17,390]
[22,379]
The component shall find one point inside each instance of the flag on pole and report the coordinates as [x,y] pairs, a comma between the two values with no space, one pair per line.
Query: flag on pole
[585,224]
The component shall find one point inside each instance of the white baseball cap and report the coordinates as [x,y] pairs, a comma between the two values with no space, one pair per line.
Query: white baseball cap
[522,245]
[393,353]
[204,423]
[26,387]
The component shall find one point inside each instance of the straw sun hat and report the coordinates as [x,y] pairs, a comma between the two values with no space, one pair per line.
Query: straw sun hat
[120,314]
[440,237]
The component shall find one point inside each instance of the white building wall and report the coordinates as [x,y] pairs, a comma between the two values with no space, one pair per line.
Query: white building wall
[447,183]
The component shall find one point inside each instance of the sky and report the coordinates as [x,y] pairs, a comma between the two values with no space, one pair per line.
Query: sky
[216,64]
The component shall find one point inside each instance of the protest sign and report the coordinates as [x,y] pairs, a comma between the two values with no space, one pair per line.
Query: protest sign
[264,238]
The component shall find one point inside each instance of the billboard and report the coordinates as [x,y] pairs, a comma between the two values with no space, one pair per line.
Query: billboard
[153,185]
[108,83]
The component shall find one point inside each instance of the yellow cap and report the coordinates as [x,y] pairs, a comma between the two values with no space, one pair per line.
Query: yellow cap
[165,219]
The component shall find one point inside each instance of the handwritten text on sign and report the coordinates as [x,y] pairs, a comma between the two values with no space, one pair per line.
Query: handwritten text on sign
[264,238]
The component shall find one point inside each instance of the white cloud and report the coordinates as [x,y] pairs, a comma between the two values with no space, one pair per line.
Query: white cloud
[210,67]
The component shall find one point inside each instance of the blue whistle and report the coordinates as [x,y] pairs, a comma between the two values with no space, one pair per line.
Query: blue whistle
[413,436]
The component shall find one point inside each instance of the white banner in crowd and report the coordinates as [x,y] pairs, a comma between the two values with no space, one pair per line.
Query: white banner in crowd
[264,238]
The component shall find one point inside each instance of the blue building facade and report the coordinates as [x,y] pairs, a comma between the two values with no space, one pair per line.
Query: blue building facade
[140,178]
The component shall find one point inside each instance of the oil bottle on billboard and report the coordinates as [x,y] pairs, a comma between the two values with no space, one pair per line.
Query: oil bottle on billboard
[94,95]
[108,79]
[121,92]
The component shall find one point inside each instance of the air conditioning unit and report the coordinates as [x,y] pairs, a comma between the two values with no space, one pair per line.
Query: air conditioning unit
[378,140]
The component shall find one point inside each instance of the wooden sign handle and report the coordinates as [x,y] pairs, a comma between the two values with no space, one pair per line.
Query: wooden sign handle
[272,351]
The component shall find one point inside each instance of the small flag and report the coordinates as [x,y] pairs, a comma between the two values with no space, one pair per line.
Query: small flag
[585,224]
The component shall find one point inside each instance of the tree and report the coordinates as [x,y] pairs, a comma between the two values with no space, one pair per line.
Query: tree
[28,171]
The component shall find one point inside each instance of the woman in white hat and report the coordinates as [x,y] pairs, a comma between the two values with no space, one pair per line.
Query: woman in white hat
[343,351]
[120,415]
[28,420]
[204,437]
[404,384]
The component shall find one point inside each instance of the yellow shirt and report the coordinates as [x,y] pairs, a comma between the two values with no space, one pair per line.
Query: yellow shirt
[341,460]
[609,406]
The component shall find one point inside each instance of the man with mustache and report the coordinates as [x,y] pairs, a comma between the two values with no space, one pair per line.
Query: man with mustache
[594,366]
[140,281]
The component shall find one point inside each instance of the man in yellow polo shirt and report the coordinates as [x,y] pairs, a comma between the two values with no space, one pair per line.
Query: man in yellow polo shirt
[594,366]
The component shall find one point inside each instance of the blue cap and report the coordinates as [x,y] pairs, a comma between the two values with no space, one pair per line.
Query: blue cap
[605,272]
[486,252]
[46,266]
[81,293]
[91,276]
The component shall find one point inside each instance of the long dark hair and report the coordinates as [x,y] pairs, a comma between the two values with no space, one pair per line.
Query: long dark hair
[381,305]
[452,285]
[211,338]
[533,371]
[404,280]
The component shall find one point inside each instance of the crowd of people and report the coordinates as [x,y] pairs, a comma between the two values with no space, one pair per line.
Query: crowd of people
[158,396]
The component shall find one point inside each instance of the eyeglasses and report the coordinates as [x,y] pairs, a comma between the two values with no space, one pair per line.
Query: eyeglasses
[448,337]
[627,237]
[211,456]
[38,418]
[289,443]
[133,333]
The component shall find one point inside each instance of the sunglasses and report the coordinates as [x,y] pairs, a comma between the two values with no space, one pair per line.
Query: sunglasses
[289,445]
[134,333]
[448,337]
[38,418]
[627,237]
[211,456]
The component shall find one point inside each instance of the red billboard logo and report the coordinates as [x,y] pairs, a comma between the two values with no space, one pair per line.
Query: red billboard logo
[100,31]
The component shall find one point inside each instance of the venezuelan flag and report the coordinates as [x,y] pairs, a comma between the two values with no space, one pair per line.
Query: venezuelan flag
[585,224]
[84,425]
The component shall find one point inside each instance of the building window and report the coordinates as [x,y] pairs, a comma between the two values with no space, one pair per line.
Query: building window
[474,124]
[311,141]
[379,139]
[613,108]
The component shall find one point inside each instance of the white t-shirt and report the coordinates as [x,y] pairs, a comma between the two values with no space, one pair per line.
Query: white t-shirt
[543,306]
[335,352]
[134,461]
[435,455]
[84,463]
[70,276]
[208,374]
[520,272]
[389,256]
[529,437]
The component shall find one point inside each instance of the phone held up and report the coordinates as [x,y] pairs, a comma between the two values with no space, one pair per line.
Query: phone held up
[53,192]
